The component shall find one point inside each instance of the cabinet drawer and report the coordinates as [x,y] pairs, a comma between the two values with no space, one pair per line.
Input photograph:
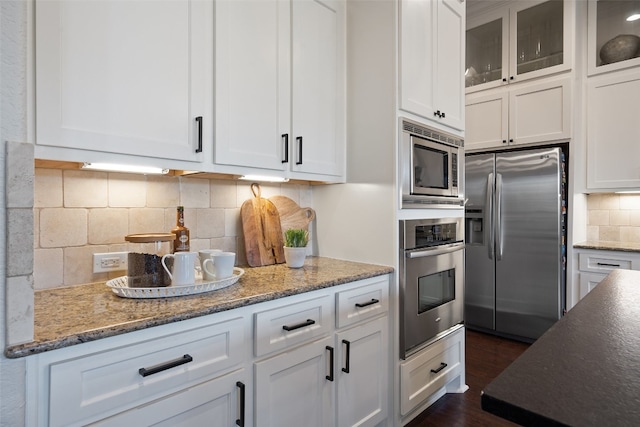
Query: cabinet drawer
[292,324]
[599,262]
[363,302]
[101,384]
[428,371]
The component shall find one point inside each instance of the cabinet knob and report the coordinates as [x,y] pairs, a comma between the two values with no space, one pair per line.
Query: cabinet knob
[511,140]
[504,141]
[511,78]
[504,79]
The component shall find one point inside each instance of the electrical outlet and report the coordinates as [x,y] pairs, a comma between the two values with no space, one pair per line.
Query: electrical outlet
[112,261]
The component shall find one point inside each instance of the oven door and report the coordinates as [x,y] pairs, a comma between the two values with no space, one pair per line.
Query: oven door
[431,297]
[431,168]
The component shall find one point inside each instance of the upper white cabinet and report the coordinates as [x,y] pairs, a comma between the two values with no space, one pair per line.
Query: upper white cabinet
[613,40]
[280,86]
[613,132]
[432,60]
[123,77]
[528,113]
[523,40]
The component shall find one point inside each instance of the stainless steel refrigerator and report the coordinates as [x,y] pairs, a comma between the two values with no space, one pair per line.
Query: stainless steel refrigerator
[515,229]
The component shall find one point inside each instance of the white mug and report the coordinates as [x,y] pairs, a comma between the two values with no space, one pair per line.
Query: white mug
[184,272]
[220,265]
[205,254]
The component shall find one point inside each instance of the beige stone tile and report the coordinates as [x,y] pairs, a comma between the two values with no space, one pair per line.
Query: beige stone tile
[107,226]
[593,201]
[48,268]
[608,233]
[147,220]
[593,232]
[629,201]
[223,193]
[634,218]
[19,241]
[619,217]
[127,190]
[85,189]
[306,197]
[63,227]
[598,217]
[232,222]
[19,175]
[228,244]
[19,314]
[630,234]
[78,265]
[48,188]
[610,201]
[162,191]
[291,191]
[195,192]
[210,223]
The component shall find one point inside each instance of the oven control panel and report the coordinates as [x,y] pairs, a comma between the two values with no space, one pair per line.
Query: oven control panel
[432,232]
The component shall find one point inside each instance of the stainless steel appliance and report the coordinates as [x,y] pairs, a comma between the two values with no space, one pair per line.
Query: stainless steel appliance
[515,241]
[431,167]
[431,280]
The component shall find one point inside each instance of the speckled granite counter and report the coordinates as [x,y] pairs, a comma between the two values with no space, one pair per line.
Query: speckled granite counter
[609,246]
[584,370]
[77,314]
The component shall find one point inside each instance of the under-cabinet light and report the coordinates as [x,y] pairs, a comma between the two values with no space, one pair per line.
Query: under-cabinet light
[628,192]
[633,17]
[113,167]
[264,178]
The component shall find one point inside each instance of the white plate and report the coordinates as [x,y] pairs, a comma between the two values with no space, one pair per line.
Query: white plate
[120,287]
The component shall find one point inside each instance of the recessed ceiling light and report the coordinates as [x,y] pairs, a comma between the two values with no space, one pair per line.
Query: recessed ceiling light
[633,17]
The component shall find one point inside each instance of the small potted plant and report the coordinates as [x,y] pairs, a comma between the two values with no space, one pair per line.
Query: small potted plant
[295,247]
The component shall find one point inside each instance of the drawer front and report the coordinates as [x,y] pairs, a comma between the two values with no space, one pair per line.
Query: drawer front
[431,369]
[604,263]
[291,324]
[363,302]
[102,384]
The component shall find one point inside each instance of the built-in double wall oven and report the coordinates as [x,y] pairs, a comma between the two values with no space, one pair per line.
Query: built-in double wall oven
[431,280]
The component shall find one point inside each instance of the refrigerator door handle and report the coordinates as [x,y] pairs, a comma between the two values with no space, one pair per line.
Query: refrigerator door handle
[488,217]
[498,218]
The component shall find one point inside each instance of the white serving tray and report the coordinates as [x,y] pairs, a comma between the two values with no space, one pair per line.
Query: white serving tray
[120,287]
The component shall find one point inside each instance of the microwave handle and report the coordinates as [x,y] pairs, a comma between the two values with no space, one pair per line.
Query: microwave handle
[439,250]
[488,217]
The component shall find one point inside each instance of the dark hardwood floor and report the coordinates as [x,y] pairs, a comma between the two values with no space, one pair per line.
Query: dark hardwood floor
[486,357]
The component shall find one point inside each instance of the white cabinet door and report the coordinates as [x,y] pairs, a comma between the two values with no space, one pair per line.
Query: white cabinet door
[432,60]
[124,77]
[487,120]
[588,281]
[613,132]
[293,388]
[218,403]
[363,385]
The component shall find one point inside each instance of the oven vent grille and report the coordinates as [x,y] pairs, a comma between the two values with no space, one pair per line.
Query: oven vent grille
[431,134]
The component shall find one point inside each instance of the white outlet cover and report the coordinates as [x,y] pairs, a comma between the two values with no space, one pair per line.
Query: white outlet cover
[117,261]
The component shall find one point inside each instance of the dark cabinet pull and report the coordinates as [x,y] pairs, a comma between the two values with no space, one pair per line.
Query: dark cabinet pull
[346,367]
[443,115]
[285,138]
[309,322]
[504,141]
[442,366]
[299,141]
[504,79]
[604,264]
[364,304]
[511,78]
[240,421]
[199,121]
[164,366]
[330,376]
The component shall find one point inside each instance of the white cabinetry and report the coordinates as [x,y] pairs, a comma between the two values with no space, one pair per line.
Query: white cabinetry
[526,113]
[612,131]
[123,78]
[280,87]
[594,265]
[432,60]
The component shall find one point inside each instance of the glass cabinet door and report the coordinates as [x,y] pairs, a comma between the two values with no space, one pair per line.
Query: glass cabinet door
[539,37]
[614,34]
[484,53]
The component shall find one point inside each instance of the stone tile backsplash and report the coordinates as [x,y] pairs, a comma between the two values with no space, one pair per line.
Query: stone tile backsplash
[613,217]
[79,213]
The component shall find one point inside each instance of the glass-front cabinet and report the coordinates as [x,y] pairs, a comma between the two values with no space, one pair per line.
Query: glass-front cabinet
[613,35]
[517,41]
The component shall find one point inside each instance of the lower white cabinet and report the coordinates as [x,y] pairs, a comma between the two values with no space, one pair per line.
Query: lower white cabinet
[300,368]
[594,265]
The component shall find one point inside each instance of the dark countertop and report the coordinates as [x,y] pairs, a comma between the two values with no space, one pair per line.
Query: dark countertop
[77,314]
[604,245]
[585,370]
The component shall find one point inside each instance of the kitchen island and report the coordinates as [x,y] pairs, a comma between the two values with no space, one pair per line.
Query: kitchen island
[83,313]
[584,370]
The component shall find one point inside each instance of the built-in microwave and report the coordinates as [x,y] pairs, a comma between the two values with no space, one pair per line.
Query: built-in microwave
[431,167]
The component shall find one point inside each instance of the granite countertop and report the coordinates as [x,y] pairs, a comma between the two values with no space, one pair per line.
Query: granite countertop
[609,246]
[77,314]
[584,370]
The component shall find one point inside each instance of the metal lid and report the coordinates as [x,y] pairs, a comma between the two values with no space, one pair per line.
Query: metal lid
[150,237]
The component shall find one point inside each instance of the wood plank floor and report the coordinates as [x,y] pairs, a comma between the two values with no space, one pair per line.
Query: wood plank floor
[486,356]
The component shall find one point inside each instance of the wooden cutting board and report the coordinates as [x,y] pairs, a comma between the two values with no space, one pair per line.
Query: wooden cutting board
[292,215]
[263,241]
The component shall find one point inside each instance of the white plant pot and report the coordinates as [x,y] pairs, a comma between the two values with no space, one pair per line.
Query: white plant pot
[295,256]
